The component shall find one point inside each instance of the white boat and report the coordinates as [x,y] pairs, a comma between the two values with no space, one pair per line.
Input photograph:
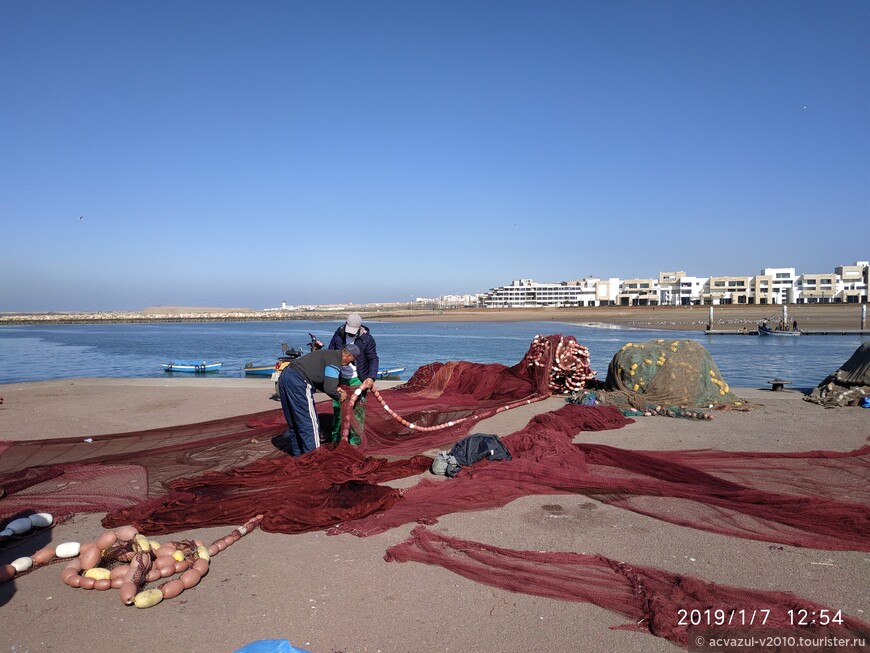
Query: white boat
[391,373]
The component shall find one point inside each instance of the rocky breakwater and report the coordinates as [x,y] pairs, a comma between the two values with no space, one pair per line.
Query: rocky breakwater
[154,314]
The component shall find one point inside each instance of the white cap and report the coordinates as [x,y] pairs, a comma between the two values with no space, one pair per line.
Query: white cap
[353,324]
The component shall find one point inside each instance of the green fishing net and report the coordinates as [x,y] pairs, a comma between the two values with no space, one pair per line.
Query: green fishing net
[677,378]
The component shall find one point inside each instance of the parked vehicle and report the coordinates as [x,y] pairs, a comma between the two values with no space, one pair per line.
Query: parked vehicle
[291,354]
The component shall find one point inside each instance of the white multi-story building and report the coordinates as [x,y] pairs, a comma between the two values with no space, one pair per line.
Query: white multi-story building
[638,292]
[847,284]
[784,284]
[853,282]
[526,293]
[727,290]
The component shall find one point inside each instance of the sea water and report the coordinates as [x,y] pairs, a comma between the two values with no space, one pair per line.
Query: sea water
[61,351]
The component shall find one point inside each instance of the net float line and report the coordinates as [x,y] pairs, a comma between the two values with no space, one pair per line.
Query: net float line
[126,560]
[568,373]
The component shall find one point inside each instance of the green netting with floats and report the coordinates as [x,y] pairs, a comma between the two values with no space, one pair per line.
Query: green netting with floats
[674,377]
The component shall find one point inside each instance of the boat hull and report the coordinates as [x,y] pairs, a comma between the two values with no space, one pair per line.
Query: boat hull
[764,331]
[259,370]
[192,367]
[391,373]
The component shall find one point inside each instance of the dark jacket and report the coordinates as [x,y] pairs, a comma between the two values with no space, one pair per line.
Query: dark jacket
[320,368]
[367,363]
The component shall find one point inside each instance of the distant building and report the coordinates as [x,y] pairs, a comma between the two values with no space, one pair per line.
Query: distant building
[853,283]
[638,292]
[784,287]
[846,284]
[526,293]
[728,290]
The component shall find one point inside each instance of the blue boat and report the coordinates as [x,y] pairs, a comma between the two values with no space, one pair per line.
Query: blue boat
[259,370]
[195,367]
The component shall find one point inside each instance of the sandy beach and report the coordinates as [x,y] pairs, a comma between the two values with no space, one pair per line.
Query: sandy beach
[735,317]
[337,594]
[810,317]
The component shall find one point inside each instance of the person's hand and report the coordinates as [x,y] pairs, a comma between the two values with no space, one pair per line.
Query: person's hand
[342,395]
[367,384]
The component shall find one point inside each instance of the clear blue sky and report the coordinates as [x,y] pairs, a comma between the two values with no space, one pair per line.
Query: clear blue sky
[244,153]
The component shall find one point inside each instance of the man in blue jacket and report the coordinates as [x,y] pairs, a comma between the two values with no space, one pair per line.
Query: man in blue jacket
[318,370]
[359,376]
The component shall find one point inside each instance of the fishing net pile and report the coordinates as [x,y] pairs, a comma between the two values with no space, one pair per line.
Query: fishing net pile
[677,378]
[849,385]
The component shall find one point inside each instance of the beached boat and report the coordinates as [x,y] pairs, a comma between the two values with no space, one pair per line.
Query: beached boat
[259,370]
[196,367]
[392,373]
[767,331]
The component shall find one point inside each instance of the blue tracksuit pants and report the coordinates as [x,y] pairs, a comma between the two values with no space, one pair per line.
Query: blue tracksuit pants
[297,402]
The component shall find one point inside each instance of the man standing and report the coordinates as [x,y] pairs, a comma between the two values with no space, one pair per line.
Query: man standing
[318,370]
[360,376]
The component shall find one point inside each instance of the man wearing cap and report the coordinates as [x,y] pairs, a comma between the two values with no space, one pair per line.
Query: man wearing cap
[361,375]
[318,370]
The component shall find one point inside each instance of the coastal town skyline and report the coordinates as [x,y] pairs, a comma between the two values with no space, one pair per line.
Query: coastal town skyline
[196,154]
[846,283]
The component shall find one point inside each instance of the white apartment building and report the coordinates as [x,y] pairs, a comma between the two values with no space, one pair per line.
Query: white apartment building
[784,285]
[854,282]
[727,290]
[527,293]
[638,292]
[847,284]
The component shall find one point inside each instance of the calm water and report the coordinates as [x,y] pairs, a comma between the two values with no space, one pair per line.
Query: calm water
[34,353]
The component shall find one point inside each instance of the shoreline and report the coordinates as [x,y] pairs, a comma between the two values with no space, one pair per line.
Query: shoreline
[810,317]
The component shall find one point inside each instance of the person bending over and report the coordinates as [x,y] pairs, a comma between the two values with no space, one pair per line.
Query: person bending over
[318,370]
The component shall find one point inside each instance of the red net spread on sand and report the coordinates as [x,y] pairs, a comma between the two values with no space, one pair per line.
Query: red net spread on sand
[655,600]
[226,471]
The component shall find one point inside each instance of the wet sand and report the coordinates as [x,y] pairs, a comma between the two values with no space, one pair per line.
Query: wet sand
[810,317]
[337,594]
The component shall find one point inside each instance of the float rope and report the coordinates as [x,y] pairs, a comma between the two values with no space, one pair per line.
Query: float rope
[129,561]
[569,372]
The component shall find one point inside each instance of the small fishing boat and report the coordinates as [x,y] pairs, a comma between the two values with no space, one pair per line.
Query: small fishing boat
[196,367]
[767,331]
[390,374]
[259,370]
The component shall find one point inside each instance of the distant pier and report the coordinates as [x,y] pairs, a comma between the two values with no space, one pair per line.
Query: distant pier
[826,332]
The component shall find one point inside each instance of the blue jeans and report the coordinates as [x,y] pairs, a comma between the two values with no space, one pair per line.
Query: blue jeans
[297,402]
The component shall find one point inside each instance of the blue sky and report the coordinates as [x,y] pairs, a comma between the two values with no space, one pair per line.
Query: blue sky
[240,154]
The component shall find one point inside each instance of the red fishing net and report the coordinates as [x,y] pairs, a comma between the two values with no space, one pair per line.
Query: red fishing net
[224,472]
[813,499]
[655,600]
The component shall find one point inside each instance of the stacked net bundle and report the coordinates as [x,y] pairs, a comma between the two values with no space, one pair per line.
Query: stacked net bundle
[441,401]
[849,385]
[671,377]
[656,601]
